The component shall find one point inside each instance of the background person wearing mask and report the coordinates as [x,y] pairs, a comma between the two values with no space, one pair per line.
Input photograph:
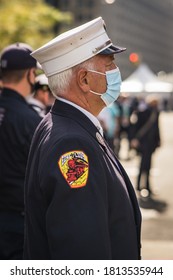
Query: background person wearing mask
[40,99]
[80,203]
[18,122]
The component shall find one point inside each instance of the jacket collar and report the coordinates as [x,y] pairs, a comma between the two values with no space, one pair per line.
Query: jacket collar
[10,93]
[64,109]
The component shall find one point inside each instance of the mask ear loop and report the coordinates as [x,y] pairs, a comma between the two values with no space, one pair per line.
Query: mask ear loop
[94,71]
[32,86]
[96,92]
[97,72]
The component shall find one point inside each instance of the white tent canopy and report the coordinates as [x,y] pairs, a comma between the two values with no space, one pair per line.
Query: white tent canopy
[144,80]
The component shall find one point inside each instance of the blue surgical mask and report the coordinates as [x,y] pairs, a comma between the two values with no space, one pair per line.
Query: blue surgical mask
[113,78]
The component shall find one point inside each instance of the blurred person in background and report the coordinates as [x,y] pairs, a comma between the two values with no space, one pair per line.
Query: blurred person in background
[146,138]
[109,118]
[18,122]
[126,107]
[40,99]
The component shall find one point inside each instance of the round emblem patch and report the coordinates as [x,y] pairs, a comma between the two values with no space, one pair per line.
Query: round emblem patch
[74,167]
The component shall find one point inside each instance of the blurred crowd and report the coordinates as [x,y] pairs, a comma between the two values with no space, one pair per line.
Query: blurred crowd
[135,119]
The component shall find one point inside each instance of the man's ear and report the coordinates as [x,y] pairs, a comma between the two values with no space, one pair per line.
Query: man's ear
[83,79]
[31,74]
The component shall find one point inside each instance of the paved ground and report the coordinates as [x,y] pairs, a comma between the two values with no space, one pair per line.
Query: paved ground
[157,226]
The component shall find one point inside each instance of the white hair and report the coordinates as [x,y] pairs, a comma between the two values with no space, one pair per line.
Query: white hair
[60,82]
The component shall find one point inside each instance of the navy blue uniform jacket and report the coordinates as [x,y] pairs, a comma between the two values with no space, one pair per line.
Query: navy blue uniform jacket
[18,122]
[76,205]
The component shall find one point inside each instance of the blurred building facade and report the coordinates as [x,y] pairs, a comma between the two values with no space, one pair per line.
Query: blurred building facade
[144,27]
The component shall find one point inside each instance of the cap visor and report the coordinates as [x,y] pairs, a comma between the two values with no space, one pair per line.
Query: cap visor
[112,50]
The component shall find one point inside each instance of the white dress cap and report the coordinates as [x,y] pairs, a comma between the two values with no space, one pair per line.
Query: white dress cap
[41,79]
[75,46]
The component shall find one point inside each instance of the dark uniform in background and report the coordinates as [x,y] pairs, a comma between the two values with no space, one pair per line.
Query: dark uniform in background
[17,125]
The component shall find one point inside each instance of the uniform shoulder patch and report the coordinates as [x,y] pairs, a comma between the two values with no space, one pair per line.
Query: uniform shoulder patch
[74,167]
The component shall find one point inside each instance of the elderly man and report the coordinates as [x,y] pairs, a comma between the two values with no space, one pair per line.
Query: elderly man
[80,203]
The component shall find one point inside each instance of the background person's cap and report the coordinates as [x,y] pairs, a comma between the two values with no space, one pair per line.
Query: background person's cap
[17,57]
[41,81]
[75,46]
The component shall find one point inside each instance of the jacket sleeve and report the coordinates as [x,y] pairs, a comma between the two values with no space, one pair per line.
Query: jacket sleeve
[77,208]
